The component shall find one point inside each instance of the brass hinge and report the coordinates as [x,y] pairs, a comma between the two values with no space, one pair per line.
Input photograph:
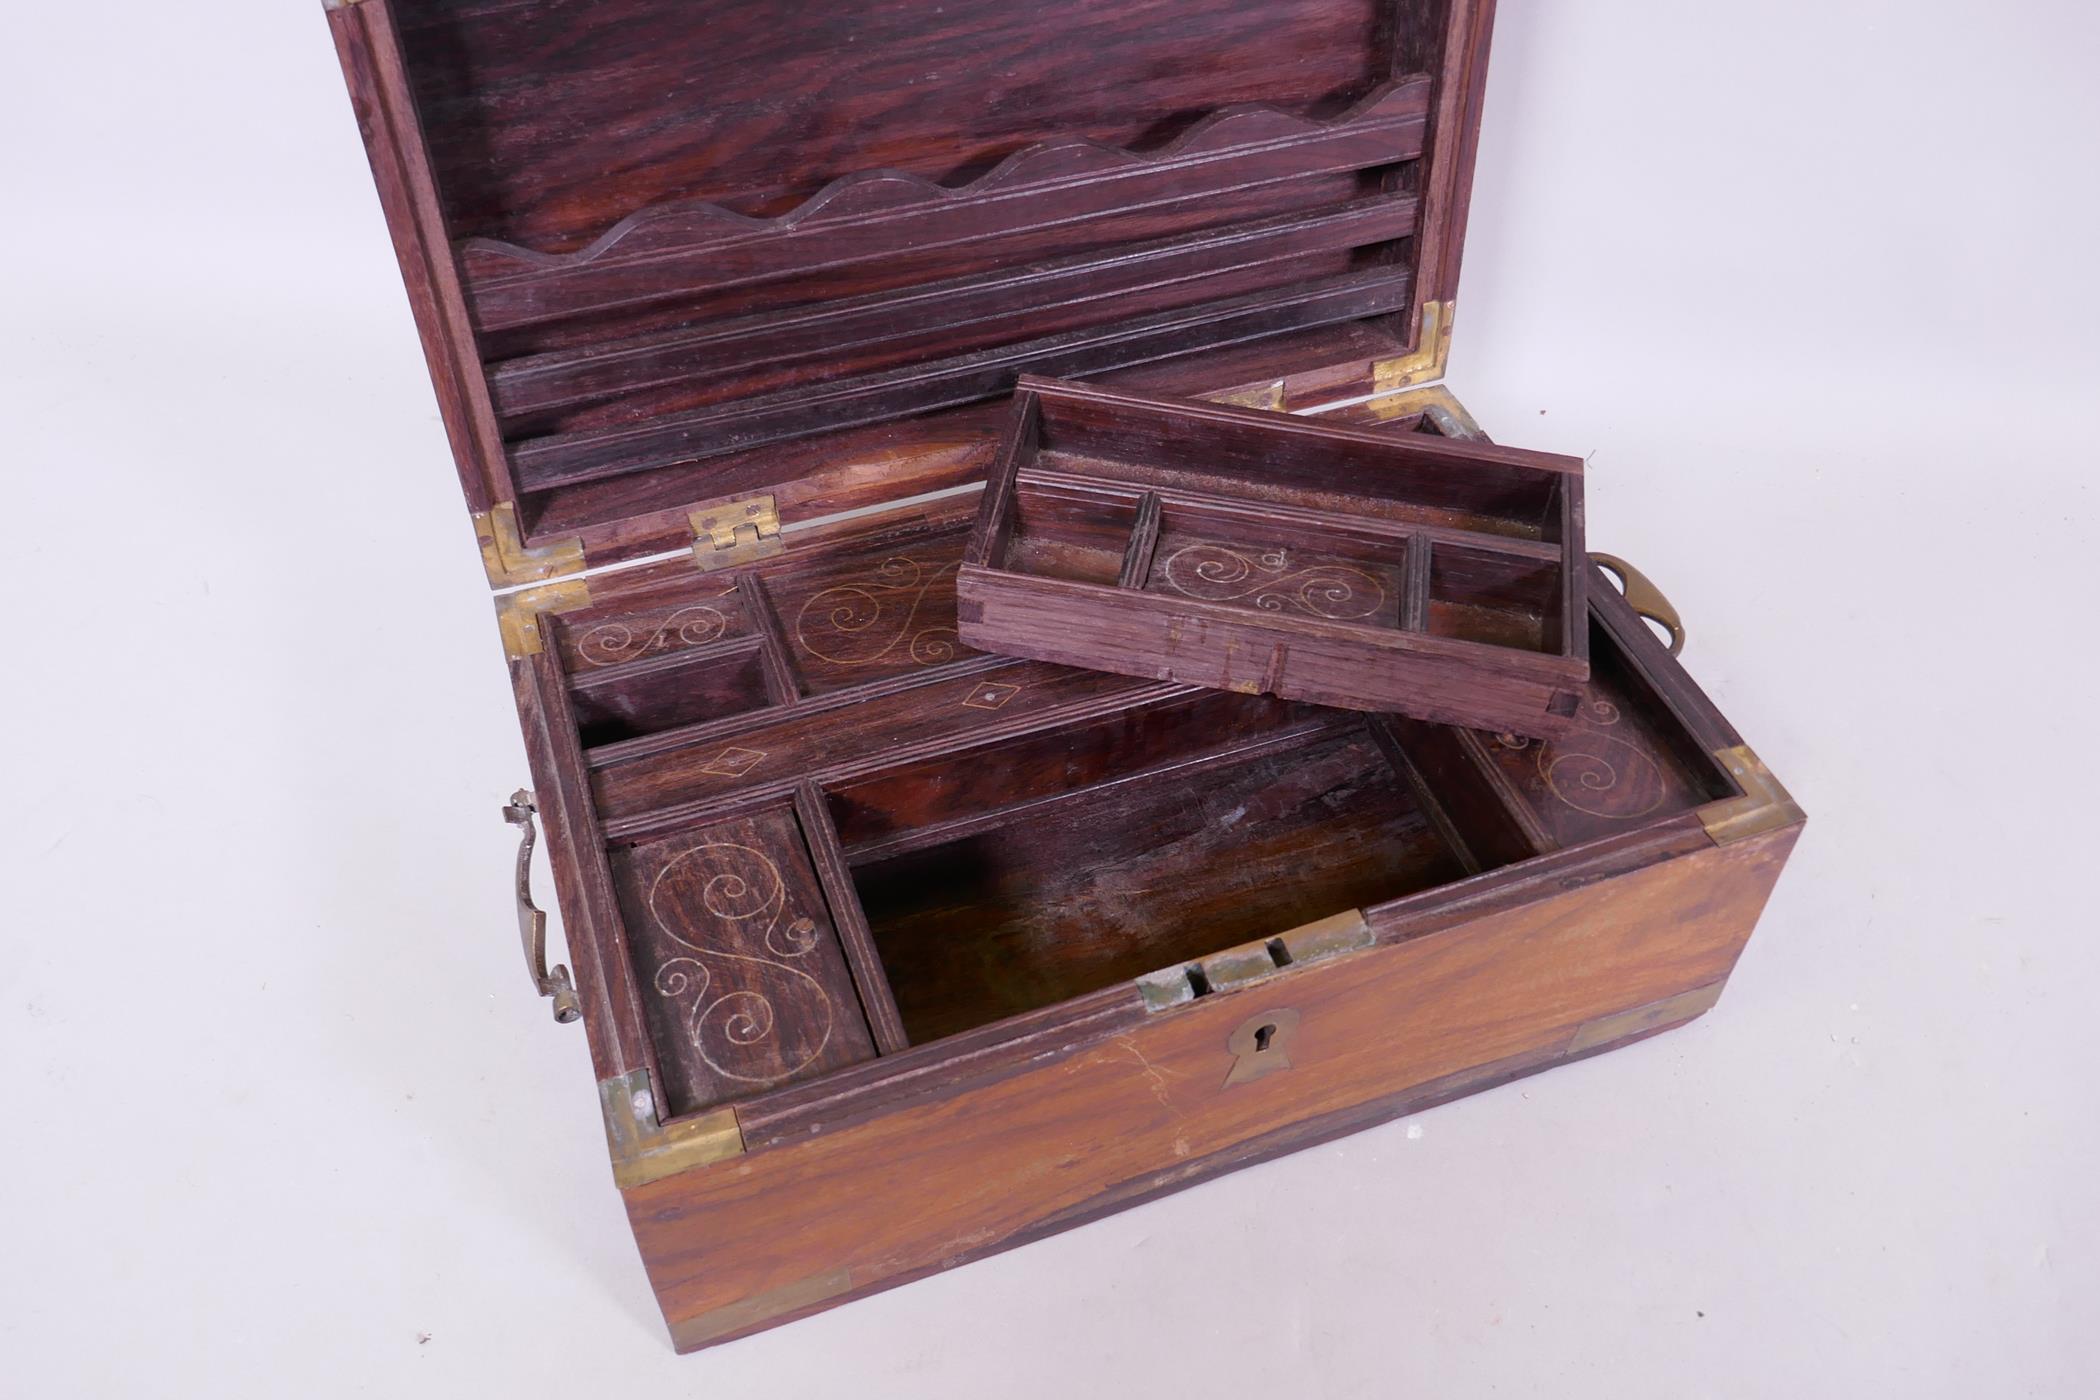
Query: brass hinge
[510,561]
[730,533]
[518,614]
[1764,805]
[645,1148]
[1426,361]
[1254,962]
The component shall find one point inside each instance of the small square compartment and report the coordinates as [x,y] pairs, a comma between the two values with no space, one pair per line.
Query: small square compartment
[1063,532]
[1502,600]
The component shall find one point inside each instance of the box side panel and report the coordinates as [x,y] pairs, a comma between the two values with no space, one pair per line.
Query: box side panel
[783,1231]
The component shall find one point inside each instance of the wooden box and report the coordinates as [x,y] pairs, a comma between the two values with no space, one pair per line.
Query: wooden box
[1285,556]
[891,953]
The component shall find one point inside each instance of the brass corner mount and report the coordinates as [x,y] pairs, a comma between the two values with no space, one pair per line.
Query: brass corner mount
[645,1148]
[510,561]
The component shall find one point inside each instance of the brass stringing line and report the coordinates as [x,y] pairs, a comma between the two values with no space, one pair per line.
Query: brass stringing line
[1277,585]
[624,648]
[871,590]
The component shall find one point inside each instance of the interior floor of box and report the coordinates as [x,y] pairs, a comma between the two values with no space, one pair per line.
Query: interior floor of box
[1106,887]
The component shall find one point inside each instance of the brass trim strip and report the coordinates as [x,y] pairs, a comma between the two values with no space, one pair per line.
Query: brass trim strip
[645,1149]
[509,561]
[1653,1016]
[759,1308]
[518,614]
[1764,805]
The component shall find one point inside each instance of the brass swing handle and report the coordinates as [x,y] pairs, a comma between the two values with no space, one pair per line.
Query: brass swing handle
[1644,597]
[532,920]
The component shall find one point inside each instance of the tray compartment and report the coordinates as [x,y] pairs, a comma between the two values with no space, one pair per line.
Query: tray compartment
[1220,556]
[1155,847]
[1071,533]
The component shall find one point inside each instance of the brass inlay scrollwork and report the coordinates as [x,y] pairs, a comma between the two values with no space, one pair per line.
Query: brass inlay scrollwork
[611,642]
[867,620]
[1598,774]
[1214,573]
[725,891]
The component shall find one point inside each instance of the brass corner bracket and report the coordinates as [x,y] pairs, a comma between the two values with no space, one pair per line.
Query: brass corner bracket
[1434,402]
[645,1148]
[510,561]
[518,614]
[1426,361]
[730,533]
[1764,805]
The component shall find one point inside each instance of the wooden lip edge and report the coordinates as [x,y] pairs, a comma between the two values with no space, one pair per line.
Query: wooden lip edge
[1596,1036]
[1052,389]
[1536,667]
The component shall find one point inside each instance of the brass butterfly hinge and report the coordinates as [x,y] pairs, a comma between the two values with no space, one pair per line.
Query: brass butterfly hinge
[1426,361]
[510,561]
[1764,805]
[518,614]
[727,534]
[1250,963]
[645,1148]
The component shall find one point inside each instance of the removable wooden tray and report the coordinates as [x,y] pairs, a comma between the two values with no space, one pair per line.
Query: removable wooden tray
[1263,553]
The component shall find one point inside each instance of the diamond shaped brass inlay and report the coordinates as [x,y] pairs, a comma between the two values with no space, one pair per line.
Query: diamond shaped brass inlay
[734,762]
[991,695]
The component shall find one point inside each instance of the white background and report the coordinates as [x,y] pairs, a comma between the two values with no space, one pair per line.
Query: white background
[1812,284]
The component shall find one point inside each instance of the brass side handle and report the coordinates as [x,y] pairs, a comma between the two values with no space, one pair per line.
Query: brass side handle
[532,920]
[1644,597]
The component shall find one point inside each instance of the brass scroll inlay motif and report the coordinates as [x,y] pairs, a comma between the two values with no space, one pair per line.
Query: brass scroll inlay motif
[720,893]
[1594,772]
[611,642]
[869,619]
[1214,573]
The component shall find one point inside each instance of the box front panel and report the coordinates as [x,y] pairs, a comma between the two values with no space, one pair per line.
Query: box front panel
[783,1230]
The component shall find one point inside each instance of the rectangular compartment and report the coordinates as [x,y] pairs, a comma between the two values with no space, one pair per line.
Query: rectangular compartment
[1353,568]
[1273,569]
[657,693]
[1164,857]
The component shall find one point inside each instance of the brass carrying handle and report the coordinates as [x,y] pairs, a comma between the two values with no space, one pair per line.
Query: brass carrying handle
[532,920]
[1644,597]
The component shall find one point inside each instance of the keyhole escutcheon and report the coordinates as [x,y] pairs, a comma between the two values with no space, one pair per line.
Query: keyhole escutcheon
[1261,1045]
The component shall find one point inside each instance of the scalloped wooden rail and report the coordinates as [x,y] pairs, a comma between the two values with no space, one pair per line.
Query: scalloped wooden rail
[682,249]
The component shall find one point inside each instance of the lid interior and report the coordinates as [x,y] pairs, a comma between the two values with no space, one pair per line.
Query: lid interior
[696,240]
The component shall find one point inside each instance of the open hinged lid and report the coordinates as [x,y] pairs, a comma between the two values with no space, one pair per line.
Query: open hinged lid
[685,269]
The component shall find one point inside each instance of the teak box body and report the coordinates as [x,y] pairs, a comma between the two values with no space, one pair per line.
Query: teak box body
[891,953]
[1282,556]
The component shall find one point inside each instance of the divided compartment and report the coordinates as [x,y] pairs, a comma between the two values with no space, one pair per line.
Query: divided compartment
[658,693]
[1269,553]
[1489,596]
[1013,876]
[1071,533]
